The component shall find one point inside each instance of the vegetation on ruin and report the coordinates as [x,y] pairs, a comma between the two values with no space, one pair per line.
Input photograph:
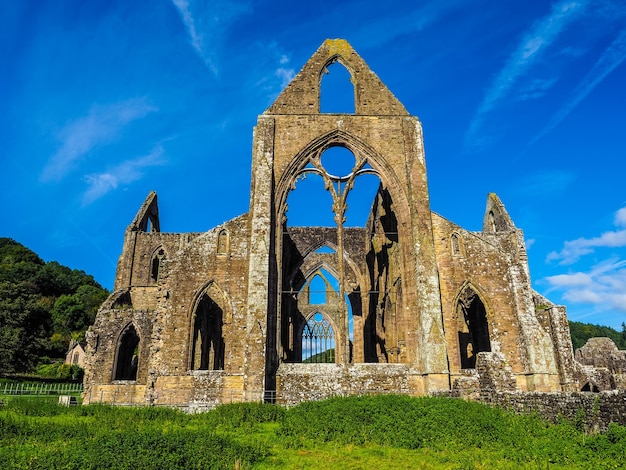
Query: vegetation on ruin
[42,306]
[357,432]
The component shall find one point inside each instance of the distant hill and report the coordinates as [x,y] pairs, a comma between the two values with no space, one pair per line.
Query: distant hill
[581,332]
[42,306]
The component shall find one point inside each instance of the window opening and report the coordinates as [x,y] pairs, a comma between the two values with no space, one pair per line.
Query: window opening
[474,331]
[317,290]
[318,340]
[309,203]
[208,343]
[127,355]
[590,387]
[338,161]
[155,270]
[492,221]
[222,242]
[325,249]
[360,199]
[337,90]
[456,248]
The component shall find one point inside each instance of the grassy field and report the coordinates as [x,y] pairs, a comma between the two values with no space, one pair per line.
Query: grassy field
[383,432]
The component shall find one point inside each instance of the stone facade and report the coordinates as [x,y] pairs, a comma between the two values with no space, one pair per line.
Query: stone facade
[412,303]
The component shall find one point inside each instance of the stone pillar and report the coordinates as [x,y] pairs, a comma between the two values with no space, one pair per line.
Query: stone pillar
[261,279]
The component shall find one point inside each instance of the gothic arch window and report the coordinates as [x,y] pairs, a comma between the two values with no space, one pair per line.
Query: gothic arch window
[156,264]
[207,351]
[317,290]
[223,242]
[349,194]
[127,360]
[492,222]
[456,244]
[336,89]
[473,328]
[318,340]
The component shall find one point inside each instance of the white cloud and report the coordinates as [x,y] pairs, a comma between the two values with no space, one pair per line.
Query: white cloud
[285,75]
[206,21]
[569,280]
[542,34]
[100,184]
[574,249]
[620,217]
[100,126]
[611,58]
[603,285]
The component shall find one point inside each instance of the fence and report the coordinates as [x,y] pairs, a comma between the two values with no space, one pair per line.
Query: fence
[40,389]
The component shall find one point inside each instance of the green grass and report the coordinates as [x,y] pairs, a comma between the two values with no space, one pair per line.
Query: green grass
[383,432]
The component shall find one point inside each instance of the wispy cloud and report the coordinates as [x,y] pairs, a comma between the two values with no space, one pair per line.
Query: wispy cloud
[100,126]
[100,184]
[206,22]
[276,70]
[546,182]
[388,27]
[534,43]
[573,250]
[612,57]
[603,285]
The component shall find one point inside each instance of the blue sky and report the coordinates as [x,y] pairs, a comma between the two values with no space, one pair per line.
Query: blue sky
[103,101]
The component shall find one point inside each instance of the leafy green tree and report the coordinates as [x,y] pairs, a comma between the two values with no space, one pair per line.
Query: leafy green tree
[42,306]
[24,326]
[581,332]
[68,314]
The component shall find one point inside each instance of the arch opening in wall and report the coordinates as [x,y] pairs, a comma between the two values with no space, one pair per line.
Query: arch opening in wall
[455,243]
[127,360]
[473,328]
[207,351]
[362,211]
[385,332]
[337,94]
[156,265]
[590,387]
[318,340]
[223,242]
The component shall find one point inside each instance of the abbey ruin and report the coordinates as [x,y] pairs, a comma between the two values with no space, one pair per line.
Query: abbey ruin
[261,308]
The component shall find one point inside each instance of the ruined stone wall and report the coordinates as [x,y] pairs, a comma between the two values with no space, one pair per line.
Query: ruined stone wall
[488,263]
[486,268]
[596,410]
[163,309]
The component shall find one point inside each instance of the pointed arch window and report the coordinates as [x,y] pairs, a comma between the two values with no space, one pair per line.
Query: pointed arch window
[223,241]
[337,94]
[155,266]
[456,244]
[473,328]
[318,340]
[127,361]
[207,341]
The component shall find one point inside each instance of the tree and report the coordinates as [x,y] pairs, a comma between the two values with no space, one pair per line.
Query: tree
[24,323]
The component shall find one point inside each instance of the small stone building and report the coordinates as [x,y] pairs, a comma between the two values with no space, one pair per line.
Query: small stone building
[261,308]
[75,355]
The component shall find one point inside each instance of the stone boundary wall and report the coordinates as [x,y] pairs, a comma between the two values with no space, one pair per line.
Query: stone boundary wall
[596,409]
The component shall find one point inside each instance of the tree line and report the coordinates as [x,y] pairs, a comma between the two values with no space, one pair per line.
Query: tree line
[42,306]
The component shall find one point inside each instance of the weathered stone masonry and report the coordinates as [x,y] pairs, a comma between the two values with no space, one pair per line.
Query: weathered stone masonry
[411,302]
